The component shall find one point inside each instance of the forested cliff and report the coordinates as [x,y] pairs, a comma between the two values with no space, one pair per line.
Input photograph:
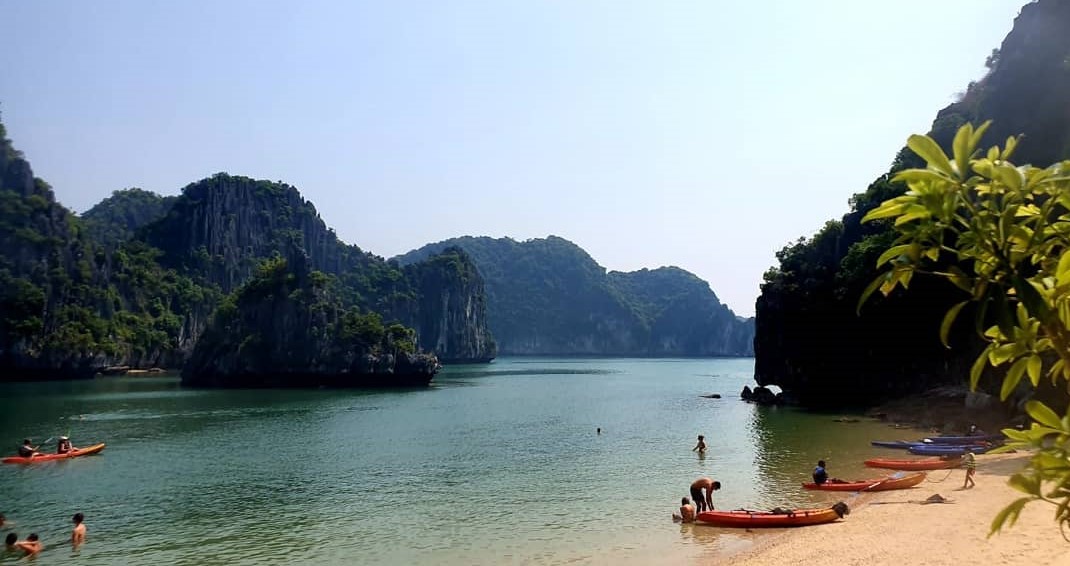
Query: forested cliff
[548,296]
[135,281]
[809,339]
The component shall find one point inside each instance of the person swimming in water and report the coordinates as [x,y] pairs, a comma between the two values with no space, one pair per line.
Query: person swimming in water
[701,446]
[32,545]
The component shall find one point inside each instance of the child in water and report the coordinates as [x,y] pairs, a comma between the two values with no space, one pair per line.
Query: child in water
[701,446]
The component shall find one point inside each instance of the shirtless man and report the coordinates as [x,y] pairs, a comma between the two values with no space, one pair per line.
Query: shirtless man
[78,534]
[701,446]
[30,546]
[704,503]
[687,512]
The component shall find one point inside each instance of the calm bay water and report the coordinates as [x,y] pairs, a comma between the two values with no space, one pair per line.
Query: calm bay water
[493,464]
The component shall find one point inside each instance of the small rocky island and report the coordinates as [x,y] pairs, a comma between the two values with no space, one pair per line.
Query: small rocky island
[286,327]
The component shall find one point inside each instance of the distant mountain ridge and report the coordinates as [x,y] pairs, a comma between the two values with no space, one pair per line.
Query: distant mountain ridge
[547,296]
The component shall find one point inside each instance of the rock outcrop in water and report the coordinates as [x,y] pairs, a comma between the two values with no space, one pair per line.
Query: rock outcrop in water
[285,328]
[811,342]
[221,228]
[127,287]
[548,296]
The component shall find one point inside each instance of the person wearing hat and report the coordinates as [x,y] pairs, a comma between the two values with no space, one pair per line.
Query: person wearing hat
[64,445]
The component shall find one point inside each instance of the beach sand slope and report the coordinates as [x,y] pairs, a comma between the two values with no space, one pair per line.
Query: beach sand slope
[893,528]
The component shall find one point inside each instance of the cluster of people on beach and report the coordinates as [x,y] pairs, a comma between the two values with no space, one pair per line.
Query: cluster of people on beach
[701,492]
[702,489]
[32,544]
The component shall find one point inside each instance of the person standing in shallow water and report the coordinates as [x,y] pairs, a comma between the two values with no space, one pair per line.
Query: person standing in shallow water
[78,534]
[701,446]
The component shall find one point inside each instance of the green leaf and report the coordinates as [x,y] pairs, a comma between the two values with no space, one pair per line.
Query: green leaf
[1034,368]
[1042,414]
[1062,272]
[961,150]
[978,367]
[870,289]
[1025,484]
[1009,513]
[930,151]
[1013,377]
[1031,298]
[893,252]
[949,319]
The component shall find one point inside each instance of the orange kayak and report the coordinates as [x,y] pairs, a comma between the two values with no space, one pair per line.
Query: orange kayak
[914,465]
[50,457]
[894,481]
[759,519]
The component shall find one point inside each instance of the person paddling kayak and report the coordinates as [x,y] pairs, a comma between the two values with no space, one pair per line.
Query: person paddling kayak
[27,450]
[64,446]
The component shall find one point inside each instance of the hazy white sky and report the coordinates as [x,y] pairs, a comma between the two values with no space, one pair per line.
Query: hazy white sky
[705,135]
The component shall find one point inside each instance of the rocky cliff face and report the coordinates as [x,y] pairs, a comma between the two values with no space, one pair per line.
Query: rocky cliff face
[809,339]
[223,227]
[451,313]
[49,280]
[549,297]
[284,329]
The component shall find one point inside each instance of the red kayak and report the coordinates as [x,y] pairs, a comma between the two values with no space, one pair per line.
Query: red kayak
[50,457]
[914,465]
[759,519]
[894,481]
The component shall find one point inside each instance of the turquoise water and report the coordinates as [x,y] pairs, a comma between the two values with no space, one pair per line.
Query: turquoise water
[493,464]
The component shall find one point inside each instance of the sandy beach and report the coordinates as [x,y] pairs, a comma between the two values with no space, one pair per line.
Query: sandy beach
[893,528]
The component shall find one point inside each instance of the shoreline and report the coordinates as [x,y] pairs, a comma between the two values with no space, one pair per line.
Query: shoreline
[891,528]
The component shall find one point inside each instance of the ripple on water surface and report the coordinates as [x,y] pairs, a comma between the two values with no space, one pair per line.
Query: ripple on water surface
[494,463]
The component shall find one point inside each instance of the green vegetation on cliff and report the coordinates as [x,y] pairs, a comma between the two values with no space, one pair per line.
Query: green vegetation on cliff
[809,339]
[117,218]
[548,296]
[287,327]
[68,306]
[135,280]
[1001,235]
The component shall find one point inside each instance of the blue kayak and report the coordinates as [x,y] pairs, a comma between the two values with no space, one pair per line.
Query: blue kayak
[901,444]
[946,449]
[963,440]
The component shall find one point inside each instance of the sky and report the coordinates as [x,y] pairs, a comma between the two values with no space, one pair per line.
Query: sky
[703,134]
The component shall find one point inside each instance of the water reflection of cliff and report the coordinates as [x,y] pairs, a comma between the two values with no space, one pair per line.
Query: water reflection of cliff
[789,442]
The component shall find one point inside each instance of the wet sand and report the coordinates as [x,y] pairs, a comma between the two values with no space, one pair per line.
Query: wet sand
[892,528]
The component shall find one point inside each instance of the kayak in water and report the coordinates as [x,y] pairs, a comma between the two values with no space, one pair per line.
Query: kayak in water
[50,457]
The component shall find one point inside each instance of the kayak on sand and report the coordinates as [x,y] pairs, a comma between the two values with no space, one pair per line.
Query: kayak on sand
[963,439]
[914,465]
[894,481]
[947,449]
[775,518]
[50,457]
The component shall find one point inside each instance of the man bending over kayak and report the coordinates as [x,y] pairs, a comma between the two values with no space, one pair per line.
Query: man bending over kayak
[704,502]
